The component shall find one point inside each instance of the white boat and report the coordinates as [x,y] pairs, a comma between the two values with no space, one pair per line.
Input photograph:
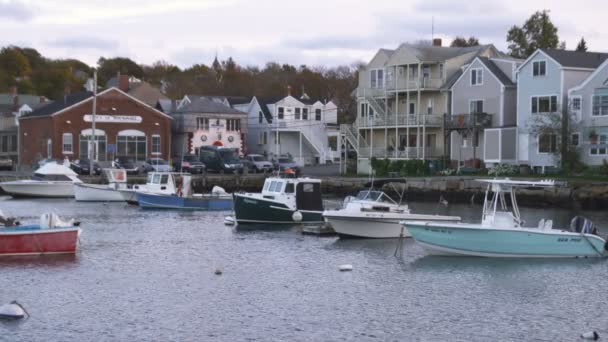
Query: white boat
[117,180]
[374,214]
[50,180]
[502,233]
[160,183]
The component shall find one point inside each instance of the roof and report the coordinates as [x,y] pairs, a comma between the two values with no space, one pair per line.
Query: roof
[30,100]
[450,81]
[146,93]
[442,53]
[205,105]
[55,106]
[237,100]
[265,101]
[6,108]
[167,105]
[494,69]
[575,59]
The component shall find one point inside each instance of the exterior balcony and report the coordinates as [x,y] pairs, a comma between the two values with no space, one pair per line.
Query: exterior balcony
[467,121]
[402,120]
[414,84]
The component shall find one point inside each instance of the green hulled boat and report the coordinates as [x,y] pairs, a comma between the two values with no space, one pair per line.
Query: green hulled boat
[282,201]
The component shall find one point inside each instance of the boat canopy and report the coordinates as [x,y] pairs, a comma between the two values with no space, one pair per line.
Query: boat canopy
[374,196]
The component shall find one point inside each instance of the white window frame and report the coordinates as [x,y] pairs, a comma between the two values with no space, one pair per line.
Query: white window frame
[204,126]
[279,113]
[441,70]
[578,139]
[538,144]
[159,144]
[539,61]
[557,104]
[260,117]
[297,113]
[478,80]
[71,144]
[592,107]
[263,138]
[483,104]
[598,154]
[320,112]
[374,79]
[305,113]
[580,99]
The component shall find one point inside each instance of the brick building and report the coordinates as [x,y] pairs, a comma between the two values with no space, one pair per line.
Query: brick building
[125,126]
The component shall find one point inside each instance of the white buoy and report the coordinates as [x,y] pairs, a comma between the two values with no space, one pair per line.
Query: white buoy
[591,335]
[297,216]
[345,268]
[13,310]
[229,221]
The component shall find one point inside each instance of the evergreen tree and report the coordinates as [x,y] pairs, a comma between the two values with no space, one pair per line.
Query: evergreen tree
[582,45]
[538,32]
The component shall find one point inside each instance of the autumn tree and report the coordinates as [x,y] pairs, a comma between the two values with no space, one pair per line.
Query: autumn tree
[109,67]
[464,42]
[538,32]
[14,62]
[582,45]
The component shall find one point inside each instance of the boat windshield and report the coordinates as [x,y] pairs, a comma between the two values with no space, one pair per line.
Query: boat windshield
[369,195]
[41,177]
[228,156]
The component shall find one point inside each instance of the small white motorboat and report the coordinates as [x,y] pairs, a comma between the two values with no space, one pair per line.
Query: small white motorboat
[117,180]
[374,214]
[50,180]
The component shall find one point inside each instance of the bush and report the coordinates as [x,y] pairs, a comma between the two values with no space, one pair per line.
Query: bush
[503,170]
[405,168]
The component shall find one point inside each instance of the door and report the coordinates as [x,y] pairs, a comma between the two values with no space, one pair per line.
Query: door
[308,197]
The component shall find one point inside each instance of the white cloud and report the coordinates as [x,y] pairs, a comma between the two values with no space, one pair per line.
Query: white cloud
[15,10]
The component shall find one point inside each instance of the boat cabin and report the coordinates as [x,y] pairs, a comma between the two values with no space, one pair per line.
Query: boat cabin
[307,191]
[55,172]
[161,182]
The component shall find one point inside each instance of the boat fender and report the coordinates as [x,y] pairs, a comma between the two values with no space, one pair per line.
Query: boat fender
[345,268]
[590,335]
[13,311]
[297,216]
[76,223]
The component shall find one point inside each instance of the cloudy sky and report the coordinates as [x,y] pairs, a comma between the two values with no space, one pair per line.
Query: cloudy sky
[312,32]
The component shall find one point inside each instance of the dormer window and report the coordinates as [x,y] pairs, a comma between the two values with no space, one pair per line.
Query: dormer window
[377,78]
[281,113]
[297,114]
[539,68]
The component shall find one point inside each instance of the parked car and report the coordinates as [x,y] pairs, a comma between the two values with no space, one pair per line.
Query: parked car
[6,163]
[83,167]
[220,159]
[257,163]
[156,164]
[188,163]
[286,162]
[128,164]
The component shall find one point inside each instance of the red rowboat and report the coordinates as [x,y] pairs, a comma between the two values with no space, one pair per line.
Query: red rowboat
[35,240]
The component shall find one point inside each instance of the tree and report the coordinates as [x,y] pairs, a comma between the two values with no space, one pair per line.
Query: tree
[463,42]
[538,32]
[582,45]
[14,62]
[109,67]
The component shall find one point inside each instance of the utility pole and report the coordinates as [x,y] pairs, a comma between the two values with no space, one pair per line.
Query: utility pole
[93,142]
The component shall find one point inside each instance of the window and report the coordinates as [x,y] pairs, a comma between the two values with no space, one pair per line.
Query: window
[413,72]
[600,105]
[539,68]
[202,123]
[297,114]
[376,78]
[308,187]
[4,143]
[156,144]
[13,143]
[575,139]
[598,146]
[84,147]
[304,113]
[412,108]
[475,106]
[477,76]
[233,125]
[441,71]
[430,140]
[318,114]
[281,113]
[263,138]
[67,143]
[363,107]
[547,143]
[131,146]
[289,188]
[575,103]
[260,117]
[544,104]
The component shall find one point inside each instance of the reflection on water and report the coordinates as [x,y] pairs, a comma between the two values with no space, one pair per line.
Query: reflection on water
[149,275]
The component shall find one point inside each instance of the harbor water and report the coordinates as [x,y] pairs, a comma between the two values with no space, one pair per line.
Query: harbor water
[151,276]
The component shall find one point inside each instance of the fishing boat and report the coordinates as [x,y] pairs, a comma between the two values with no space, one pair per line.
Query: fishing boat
[50,180]
[374,214]
[282,201]
[51,236]
[156,183]
[502,233]
[117,180]
[184,199]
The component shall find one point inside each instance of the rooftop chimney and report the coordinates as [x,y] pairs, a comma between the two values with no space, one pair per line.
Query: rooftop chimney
[288,90]
[437,42]
[123,83]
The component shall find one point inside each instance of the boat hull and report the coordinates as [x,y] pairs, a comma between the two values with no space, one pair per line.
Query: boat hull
[206,202]
[32,240]
[375,228]
[471,240]
[39,189]
[249,210]
[96,193]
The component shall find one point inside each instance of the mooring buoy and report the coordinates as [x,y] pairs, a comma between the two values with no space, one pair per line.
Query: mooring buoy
[345,268]
[13,311]
[591,335]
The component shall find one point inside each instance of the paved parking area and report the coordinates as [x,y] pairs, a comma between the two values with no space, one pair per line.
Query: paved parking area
[321,170]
